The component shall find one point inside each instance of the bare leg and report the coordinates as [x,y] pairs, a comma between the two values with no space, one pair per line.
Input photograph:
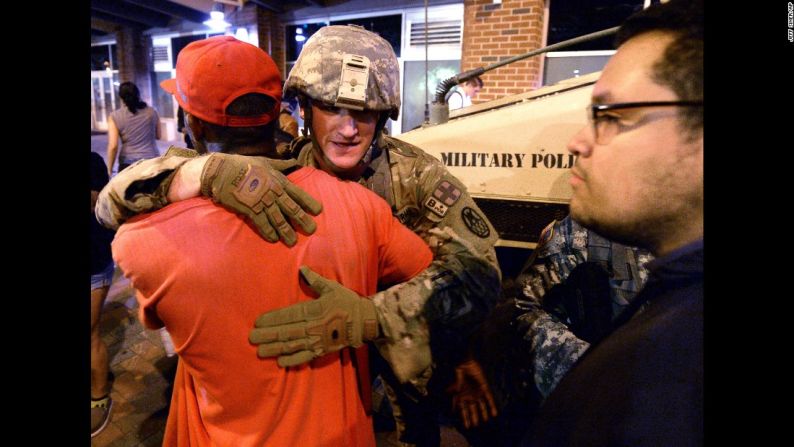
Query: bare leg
[99,351]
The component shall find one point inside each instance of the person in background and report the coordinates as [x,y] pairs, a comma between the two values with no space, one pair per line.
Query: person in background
[136,126]
[287,126]
[102,269]
[205,274]
[462,94]
[566,298]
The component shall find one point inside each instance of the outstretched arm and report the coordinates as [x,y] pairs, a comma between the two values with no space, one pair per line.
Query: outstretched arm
[268,199]
[140,188]
[113,144]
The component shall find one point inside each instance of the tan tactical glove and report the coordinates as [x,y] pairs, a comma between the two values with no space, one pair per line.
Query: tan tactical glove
[299,333]
[251,187]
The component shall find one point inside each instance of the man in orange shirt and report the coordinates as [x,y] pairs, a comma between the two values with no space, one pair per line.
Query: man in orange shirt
[207,274]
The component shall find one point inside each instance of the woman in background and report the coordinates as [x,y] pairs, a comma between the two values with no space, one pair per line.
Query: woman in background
[138,126]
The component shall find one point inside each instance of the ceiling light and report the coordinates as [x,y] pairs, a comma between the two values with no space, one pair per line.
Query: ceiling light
[216,21]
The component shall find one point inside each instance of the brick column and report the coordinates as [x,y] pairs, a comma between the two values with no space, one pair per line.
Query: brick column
[271,38]
[493,32]
[134,51]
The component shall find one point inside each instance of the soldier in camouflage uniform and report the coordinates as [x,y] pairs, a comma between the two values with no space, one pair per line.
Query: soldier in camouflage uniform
[582,280]
[568,296]
[442,305]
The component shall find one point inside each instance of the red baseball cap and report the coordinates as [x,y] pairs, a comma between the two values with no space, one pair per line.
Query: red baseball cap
[213,72]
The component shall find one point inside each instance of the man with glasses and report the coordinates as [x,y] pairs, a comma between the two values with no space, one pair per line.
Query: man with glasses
[638,180]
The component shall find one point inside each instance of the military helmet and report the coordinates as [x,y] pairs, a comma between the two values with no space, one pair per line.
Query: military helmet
[338,60]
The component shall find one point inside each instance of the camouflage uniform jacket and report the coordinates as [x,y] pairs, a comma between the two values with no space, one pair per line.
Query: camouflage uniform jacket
[463,280]
[462,284]
[555,326]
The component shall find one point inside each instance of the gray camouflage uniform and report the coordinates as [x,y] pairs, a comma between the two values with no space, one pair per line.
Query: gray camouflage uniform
[564,245]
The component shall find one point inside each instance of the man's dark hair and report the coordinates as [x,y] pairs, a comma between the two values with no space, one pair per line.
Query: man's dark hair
[249,104]
[475,81]
[681,66]
[131,96]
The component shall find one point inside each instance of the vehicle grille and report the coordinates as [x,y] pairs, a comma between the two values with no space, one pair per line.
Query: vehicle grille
[521,221]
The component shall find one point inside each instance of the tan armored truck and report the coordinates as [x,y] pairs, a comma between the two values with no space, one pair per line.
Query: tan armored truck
[511,155]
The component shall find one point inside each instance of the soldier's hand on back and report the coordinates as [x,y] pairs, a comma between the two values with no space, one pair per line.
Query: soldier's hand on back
[252,187]
[338,318]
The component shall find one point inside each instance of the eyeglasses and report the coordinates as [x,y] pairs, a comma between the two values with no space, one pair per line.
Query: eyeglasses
[606,126]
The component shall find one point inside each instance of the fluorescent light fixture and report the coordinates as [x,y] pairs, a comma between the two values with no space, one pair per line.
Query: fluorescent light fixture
[216,21]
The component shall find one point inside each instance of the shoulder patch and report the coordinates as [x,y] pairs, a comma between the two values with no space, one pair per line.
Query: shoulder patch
[475,222]
[444,196]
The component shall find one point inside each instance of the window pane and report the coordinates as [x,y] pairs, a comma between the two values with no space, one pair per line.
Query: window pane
[177,43]
[163,101]
[413,108]
[388,27]
[296,36]
[99,57]
[556,69]
[106,86]
[574,18]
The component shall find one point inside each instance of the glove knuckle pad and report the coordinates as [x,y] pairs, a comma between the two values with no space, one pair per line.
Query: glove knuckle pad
[250,189]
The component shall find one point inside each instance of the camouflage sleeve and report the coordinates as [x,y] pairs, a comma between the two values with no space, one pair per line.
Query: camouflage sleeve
[446,302]
[553,348]
[140,188]
[575,284]
[562,246]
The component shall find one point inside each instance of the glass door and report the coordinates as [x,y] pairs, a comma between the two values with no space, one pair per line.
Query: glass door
[103,97]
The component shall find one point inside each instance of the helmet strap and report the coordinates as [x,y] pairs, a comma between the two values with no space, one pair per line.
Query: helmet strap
[372,152]
[375,146]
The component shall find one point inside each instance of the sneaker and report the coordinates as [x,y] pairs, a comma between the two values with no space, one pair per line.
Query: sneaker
[100,414]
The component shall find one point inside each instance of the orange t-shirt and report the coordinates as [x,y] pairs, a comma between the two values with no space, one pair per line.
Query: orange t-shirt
[206,274]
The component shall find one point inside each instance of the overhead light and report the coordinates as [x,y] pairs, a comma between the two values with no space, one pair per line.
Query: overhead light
[241,34]
[216,21]
[299,37]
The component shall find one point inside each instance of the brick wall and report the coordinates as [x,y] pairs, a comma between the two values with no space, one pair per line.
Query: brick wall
[494,32]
